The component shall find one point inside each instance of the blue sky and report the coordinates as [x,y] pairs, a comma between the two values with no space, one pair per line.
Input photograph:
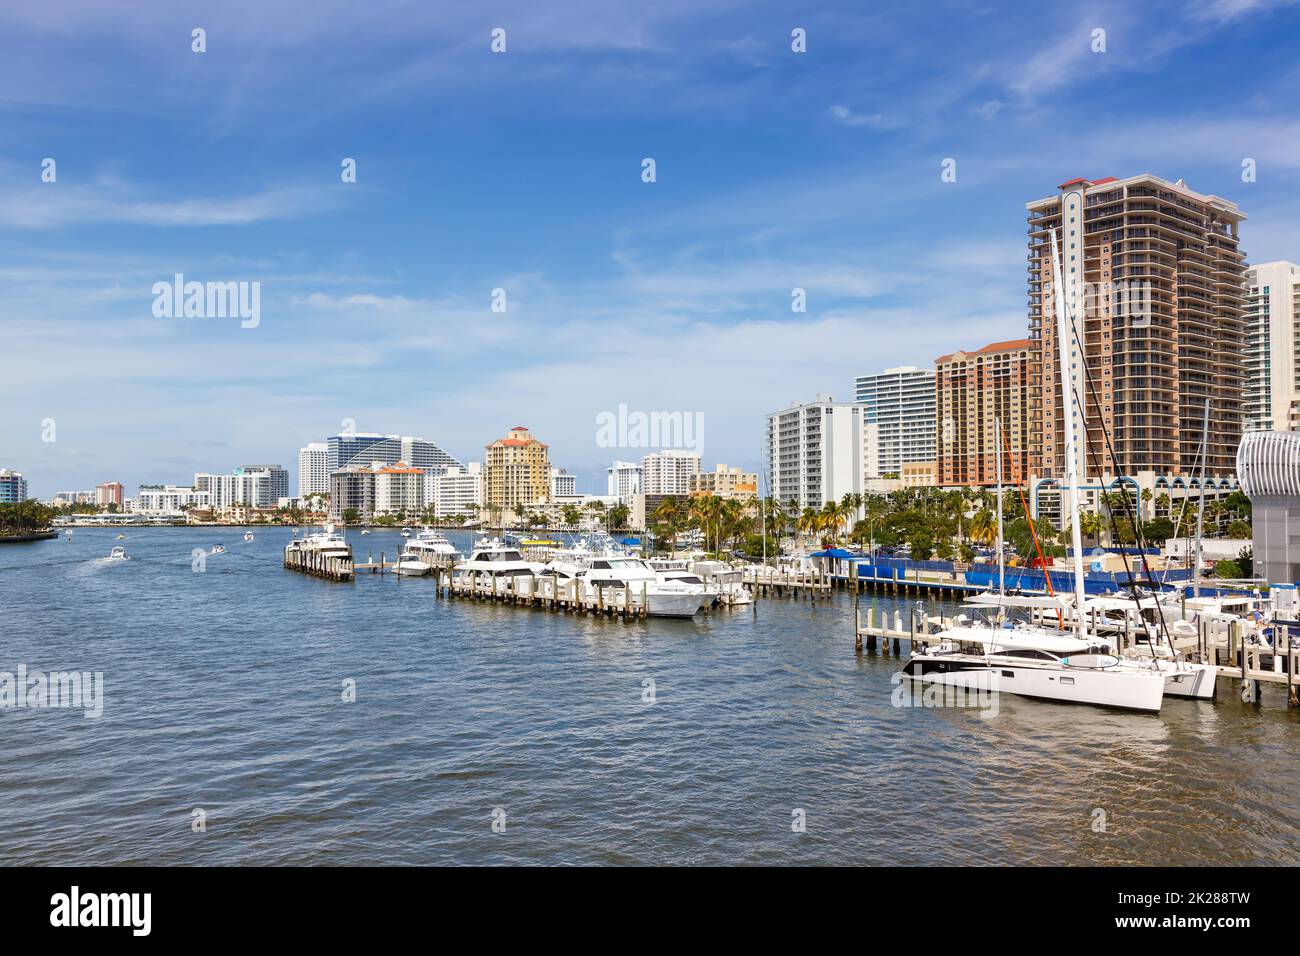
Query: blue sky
[522,171]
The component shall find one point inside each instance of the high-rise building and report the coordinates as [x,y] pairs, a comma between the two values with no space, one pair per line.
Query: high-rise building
[1272,337]
[13,487]
[109,493]
[972,391]
[277,483]
[724,482]
[814,452]
[669,472]
[362,448]
[398,488]
[623,480]
[169,498]
[900,402]
[456,491]
[517,471]
[313,469]
[352,489]
[1154,282]
[563,484]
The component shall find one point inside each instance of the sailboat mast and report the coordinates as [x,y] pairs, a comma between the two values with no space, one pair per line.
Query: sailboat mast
[1002,563]
[1064,340]
[1200,514]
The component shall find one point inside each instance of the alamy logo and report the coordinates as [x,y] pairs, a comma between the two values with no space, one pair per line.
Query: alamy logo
[208,300]
[103,909]
[624,429]
[65,689]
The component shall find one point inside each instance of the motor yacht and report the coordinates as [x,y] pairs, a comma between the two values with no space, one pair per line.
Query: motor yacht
[118,554]
[412,563]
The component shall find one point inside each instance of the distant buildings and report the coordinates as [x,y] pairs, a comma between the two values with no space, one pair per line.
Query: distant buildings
[109,493]
[815,452]
[1155,281]
[1272,401]
[972,391]
[669,472]
[313,469]
[257,486]
[457,491]
[900,403]
[399,488]
[169,499]
[352,489]
[563,484]
[363,448]
[13,487]
[724,482]
[517,472]
[623,480]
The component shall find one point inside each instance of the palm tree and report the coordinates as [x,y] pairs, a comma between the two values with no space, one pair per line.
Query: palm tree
[668,514]
[983,526]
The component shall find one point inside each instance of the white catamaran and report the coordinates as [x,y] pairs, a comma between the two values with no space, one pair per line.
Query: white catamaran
[1031,660]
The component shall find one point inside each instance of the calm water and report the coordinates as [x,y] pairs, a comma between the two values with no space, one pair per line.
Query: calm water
[223,692]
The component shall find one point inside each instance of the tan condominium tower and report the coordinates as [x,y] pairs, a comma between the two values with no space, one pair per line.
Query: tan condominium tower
[1154,281]
[517,471]
[973,390]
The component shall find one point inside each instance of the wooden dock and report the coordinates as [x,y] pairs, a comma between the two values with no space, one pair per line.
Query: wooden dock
[1251,665]
[774,582]
[309,561]
[545,593]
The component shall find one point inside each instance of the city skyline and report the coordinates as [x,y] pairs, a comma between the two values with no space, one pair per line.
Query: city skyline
[818,171]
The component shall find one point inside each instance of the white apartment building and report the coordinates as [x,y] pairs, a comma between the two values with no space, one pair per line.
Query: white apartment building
[623,480]
[313,469]
[168,499]
[901,402]
[399,488]
[563,484]
[815,452]
[669,472]
[457,491]
[257,487]
[1272,371]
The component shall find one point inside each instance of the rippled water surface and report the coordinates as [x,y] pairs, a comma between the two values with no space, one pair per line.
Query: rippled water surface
[223,692]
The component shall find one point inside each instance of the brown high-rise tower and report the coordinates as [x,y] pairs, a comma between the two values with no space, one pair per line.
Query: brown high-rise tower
[1155,282]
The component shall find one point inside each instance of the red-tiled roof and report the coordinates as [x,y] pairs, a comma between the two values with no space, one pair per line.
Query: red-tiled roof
[1072,182]
[1009,345]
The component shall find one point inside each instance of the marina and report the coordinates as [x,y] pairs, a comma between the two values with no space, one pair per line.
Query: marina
[473,703]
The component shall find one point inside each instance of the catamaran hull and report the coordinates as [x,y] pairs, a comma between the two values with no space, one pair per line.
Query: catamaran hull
[1103,688]
[1192,681]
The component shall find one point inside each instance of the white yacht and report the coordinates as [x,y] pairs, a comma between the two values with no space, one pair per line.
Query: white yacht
[248,536]
[663,598]
[497,559]
[327,541]
[406,532]
[118,554]
[412,563]
[431,544]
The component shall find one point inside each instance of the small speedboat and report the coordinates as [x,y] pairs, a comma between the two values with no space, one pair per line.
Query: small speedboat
[218,549]
[121,537]
[248,536]
[118,554]
[365,531]
[406,532]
